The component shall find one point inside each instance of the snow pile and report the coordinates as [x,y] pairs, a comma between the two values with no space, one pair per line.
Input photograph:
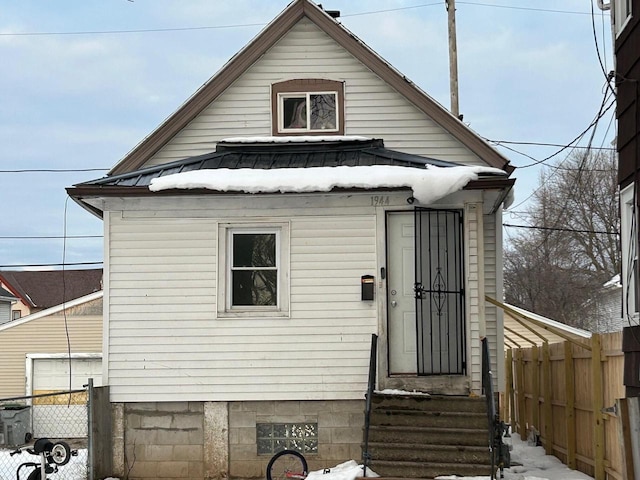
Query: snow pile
[531,463]
[297,139]
[428,184]
[345,471]
[76,469]
[393,391]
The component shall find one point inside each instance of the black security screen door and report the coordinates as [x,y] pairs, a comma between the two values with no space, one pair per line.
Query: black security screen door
[439,289]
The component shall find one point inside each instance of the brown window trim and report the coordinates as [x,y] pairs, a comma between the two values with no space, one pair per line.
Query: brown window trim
[306,85]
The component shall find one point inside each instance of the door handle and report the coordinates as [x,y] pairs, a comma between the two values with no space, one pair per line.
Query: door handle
[394,303]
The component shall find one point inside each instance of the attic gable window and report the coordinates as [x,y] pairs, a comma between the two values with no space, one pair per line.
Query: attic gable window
[307,107]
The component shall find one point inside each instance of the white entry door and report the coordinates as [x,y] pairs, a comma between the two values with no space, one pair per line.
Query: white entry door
[425,293]
[402,304]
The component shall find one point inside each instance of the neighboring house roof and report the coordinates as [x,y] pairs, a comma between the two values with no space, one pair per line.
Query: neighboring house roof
[603,311]
[44,289]
[6,296]
[53,310]
[267,38]
[523,328]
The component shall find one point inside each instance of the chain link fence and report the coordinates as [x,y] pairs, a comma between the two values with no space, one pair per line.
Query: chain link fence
[56,416]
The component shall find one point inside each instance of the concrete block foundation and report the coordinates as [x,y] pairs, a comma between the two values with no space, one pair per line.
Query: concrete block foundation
[218,440]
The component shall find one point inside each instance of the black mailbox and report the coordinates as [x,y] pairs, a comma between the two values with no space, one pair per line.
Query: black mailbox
[367,283]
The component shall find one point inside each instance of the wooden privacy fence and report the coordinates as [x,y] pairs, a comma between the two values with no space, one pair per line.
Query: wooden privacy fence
[568,393]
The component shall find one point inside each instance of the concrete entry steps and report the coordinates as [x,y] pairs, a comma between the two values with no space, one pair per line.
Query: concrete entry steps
[422,436]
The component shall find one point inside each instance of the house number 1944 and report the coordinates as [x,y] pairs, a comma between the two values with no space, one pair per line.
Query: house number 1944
[379,200]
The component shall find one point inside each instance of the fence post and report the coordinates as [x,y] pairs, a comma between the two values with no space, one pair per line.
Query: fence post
[535,406]
[510,394]
[90,408]
[597,403]
[522,430]
[548,399]
[570,405]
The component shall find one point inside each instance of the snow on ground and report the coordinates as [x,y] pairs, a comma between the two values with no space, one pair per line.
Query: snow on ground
[428,184]
[76,469]
[532,464]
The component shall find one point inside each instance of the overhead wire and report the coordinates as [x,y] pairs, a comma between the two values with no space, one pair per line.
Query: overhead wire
[54,170]
[606,74]
[262,24]
[569,145]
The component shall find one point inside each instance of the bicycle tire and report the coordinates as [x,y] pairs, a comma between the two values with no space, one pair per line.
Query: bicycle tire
[35,474]
[287,465]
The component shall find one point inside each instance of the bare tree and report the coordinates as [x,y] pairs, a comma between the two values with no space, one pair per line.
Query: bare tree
[555,269]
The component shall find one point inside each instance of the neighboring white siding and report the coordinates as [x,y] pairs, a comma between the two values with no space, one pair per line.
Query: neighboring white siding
[165,342]
[5,312]
[474,286]
[372,107]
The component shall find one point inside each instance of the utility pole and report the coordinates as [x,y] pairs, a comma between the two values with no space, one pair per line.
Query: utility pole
[453,57]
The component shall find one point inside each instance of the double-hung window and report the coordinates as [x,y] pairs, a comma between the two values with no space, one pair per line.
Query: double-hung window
[253,269]
[308,107]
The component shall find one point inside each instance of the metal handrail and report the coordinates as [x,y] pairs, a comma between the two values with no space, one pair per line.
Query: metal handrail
[498,450]
[371,385]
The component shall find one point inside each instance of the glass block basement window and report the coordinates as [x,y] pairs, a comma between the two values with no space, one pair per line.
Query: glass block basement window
[274,437]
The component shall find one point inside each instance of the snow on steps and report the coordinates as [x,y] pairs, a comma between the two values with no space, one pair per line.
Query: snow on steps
[426,436]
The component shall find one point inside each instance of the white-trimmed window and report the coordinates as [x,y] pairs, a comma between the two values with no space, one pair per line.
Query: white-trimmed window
[307,107]
[254,273]
[308,112]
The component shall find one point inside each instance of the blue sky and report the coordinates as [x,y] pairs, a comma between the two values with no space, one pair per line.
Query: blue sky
[528,72]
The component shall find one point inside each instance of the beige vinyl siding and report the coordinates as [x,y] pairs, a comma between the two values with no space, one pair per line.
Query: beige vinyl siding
[46,335]
[372,107]
[166,342]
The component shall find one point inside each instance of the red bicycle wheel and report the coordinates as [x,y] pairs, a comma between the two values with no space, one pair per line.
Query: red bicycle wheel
[287,465]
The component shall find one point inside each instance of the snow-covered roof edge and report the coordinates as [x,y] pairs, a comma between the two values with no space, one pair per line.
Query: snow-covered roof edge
[428,184]
[297,139]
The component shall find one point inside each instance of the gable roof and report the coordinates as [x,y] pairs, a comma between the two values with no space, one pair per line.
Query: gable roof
[44,289]
[257,47]
[6,296]
[52,310]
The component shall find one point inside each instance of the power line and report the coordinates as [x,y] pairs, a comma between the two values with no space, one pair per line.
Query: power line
[607,76]
[558,229]
[54,170]
[600,114]
[45,237]
[529,9]
[541,144]
[262,24]
[119,32]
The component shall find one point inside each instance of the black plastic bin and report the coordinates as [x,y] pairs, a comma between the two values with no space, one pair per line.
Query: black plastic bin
[15,425]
